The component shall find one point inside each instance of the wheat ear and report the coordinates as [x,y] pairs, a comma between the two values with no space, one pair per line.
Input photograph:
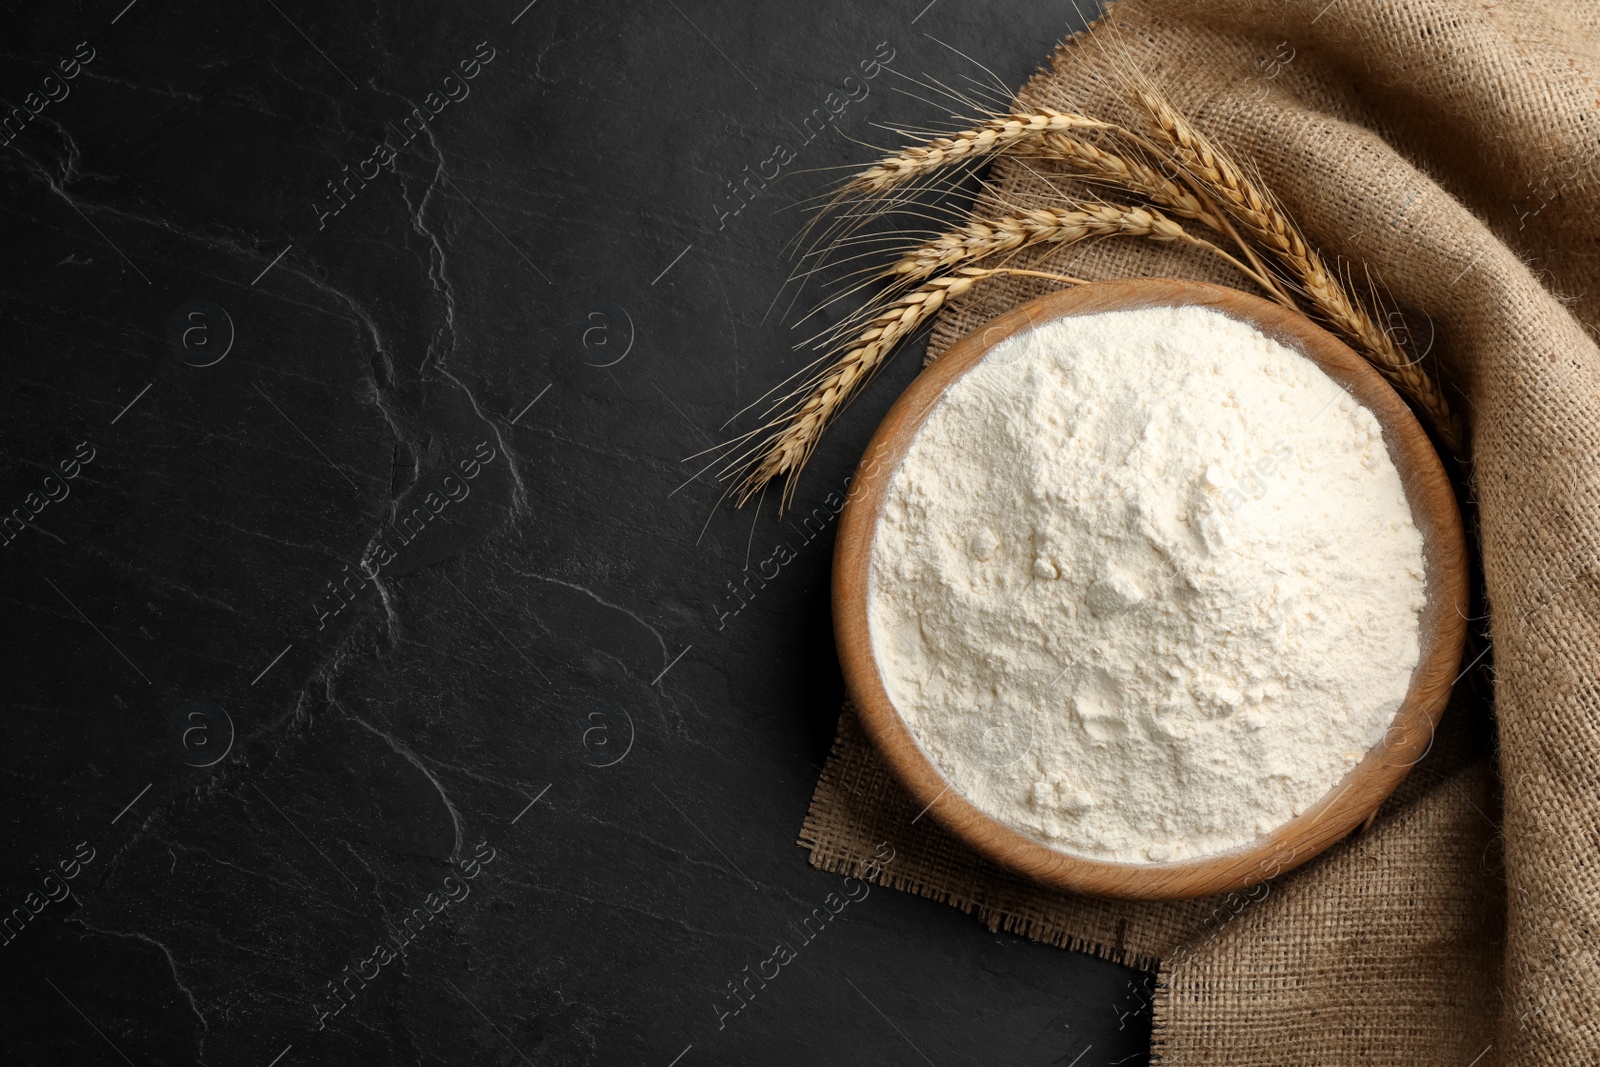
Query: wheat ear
[1265,221]
[992,136]
[796,433]
[987,237]
[1090,162]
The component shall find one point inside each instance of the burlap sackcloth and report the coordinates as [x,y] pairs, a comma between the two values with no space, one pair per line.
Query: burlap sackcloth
[1453,148]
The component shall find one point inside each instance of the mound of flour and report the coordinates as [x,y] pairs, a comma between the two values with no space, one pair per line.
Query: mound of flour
[1146,585]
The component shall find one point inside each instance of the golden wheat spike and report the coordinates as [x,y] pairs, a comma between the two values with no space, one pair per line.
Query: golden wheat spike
[1270,226]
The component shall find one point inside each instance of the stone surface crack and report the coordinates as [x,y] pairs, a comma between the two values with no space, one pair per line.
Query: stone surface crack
[603,602]
[391,616]
[436,256]
[188,995]
[519,491]
[410,756]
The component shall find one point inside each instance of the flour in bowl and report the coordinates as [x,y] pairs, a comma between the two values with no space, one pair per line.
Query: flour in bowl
[1146,584]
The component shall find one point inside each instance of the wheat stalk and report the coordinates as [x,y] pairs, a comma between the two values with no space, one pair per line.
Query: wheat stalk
[995,135]
[1092,162]
[795,433]
[1049,134]
[1046,134]
[1265,221]
[986,237]
[1180,172]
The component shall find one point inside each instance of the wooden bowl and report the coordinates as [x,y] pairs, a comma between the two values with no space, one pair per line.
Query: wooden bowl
[1353,799]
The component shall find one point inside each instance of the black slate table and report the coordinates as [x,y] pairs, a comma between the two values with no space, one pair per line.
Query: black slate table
[382,686]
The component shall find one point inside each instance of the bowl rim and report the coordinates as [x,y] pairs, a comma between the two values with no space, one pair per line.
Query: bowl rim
[1353,799]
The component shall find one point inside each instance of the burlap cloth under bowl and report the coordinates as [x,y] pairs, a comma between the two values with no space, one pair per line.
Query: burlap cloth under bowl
[1453,147]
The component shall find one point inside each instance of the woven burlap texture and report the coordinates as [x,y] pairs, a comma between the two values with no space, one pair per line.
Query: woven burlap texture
[1452,148]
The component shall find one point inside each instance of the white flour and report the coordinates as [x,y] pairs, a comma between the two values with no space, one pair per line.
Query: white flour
[1147,584]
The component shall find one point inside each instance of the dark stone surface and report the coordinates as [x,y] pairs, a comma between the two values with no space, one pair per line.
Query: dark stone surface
[260,778]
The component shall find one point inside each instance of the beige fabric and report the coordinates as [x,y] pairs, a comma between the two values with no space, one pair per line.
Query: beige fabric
[1452,147]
